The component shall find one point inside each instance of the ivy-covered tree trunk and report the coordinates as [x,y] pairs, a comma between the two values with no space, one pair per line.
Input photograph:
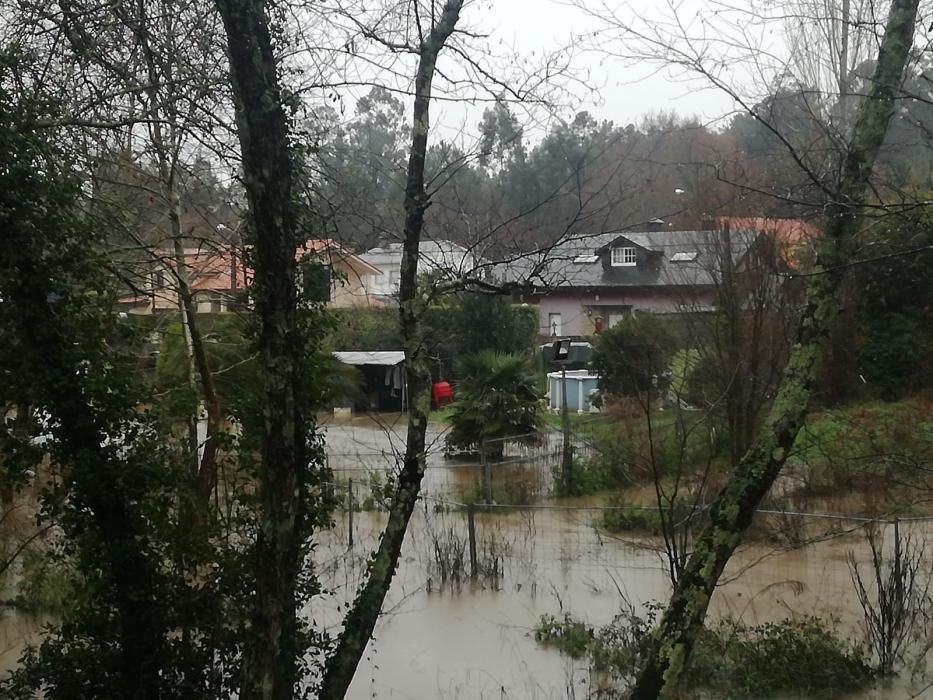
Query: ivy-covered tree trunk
[361,619]
[665,663]
[273,647]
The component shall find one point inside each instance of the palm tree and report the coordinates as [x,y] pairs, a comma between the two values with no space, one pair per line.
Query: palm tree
[497,398]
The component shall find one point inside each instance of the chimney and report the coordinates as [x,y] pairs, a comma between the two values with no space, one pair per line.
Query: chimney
[656,225]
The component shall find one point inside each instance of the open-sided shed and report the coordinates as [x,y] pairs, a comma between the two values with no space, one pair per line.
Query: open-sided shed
[385,386]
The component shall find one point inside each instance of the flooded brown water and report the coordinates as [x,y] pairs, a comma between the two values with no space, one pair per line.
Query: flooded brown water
[474,640]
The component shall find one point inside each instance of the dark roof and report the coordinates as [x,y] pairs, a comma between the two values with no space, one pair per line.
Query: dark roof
[585,261]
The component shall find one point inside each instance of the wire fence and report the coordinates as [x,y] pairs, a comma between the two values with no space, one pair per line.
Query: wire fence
[489,574]
[492,548]
[518,469]
[493,519]
[453,543]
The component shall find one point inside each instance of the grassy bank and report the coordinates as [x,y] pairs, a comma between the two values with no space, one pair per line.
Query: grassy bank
[870,457]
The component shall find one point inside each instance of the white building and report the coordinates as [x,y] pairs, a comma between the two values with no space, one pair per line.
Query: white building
[445,257]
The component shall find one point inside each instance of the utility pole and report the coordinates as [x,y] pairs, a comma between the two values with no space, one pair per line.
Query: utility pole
[562,355]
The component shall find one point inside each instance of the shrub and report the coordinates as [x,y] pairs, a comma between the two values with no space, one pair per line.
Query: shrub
[364,328]
[471,323]
[587,477]
[631,353]
[866,445]
[569,636]
[802,657]
[515,485]
[679,442]
[47,582]
[896,313]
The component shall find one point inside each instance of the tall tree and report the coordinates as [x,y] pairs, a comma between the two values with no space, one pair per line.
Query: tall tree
[359,193]
[501,137]
[666,658]
[150,86]
[288,466]
[361,620]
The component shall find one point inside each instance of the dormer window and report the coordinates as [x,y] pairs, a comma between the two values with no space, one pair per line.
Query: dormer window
[623,257]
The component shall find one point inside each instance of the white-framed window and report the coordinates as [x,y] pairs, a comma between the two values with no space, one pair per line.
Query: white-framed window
[554,325]
[623,257]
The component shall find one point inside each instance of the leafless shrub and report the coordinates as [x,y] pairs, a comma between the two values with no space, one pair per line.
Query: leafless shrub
[893,604]
[490,564]
[450,559]
[450,564]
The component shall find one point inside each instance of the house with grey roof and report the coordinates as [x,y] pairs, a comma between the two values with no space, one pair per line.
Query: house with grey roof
[586,284]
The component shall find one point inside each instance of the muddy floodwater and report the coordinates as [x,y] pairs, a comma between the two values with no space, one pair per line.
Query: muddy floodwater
[475,640]
[462,639]
[445,635]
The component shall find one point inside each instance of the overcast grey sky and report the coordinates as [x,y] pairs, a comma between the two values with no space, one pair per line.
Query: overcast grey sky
[624,90]
[616,67]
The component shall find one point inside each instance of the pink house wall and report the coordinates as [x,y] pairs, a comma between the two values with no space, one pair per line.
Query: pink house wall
[574,306]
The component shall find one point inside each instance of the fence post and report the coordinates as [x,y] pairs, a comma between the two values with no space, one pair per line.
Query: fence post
[350,512]
[471,527]
[487,472]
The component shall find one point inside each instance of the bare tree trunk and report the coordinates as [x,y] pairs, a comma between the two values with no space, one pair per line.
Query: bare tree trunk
[361,620]
[272,649]
[672,642]
[843,77]
[204,474]
[204,467]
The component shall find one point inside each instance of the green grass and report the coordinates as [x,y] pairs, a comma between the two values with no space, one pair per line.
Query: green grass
[440,415]
[845,448]
[579,422]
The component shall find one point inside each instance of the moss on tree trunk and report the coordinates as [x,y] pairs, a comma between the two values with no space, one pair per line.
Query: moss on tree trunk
[664,664]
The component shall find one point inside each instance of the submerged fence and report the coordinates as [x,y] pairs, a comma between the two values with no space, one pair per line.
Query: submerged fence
[493,544]
[518,469]
[513,545]
[493,519]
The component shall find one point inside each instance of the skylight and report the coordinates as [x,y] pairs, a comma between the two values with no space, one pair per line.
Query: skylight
[684,257]
[586,259]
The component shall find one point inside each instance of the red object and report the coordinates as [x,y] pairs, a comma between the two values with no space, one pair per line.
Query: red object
[441,394]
